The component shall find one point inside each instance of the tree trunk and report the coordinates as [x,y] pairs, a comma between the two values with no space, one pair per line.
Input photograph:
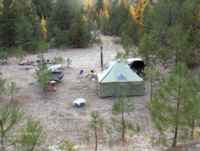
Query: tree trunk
[96,138]
[175,136]
[192,129]
[123,128]
[176,124]
[101,57]
[151,89]
[2,136]
[177,115]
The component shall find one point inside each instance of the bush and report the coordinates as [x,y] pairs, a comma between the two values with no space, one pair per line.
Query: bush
[67,146]
[3,56]
[58,60]
[42,46]
[2,86]
[19,53]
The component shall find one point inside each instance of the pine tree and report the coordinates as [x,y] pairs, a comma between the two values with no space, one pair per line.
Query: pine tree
[43,8]
[79,35]
[31,135]
[122,106]
[26,138]
[10,114]
[43,75]
[96,124]
[171,31]
[173,103]
[7,20]
[152,74]
[17,28]
[192,112]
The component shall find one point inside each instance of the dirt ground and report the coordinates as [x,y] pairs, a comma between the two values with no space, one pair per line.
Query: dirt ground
[55,112]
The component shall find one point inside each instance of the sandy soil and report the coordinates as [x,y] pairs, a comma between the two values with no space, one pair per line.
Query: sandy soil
[59,119]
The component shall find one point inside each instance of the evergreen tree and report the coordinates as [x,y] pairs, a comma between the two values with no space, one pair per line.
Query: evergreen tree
[25,139]
[7,23]
[67,25]
[174,102]
[26,27]
[61,16]
[96,123]
[17,26]
[79,33]
[43,8]
[9,116]
[118,17]
[192,95]
[43,75]
[122,106]
[171,31]
[153,75]
[25,33]
[31,135]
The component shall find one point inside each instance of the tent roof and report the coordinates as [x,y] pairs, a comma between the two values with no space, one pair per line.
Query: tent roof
[118,72]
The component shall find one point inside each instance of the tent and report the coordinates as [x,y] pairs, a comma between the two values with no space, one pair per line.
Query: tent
[119,80]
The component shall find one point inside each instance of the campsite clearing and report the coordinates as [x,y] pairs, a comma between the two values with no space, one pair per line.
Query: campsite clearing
[55,111]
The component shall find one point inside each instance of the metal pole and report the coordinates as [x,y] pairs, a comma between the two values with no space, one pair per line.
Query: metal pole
[101,55]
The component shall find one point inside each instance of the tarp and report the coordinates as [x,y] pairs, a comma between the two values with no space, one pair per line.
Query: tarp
[119,79]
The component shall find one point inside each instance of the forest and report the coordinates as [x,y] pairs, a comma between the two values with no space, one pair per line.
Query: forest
[56,53]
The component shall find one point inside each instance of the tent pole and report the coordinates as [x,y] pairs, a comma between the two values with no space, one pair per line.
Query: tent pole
[101,55]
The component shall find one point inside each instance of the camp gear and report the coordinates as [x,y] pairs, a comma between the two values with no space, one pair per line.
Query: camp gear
[79,102]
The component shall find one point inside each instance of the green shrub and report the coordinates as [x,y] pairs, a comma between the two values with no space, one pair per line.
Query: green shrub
[69,62]
[42,46]
[3,54]
[20,53]
[67,146]
[58,60]
[2,86]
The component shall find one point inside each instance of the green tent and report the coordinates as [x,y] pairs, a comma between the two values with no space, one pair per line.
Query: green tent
[119,80]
